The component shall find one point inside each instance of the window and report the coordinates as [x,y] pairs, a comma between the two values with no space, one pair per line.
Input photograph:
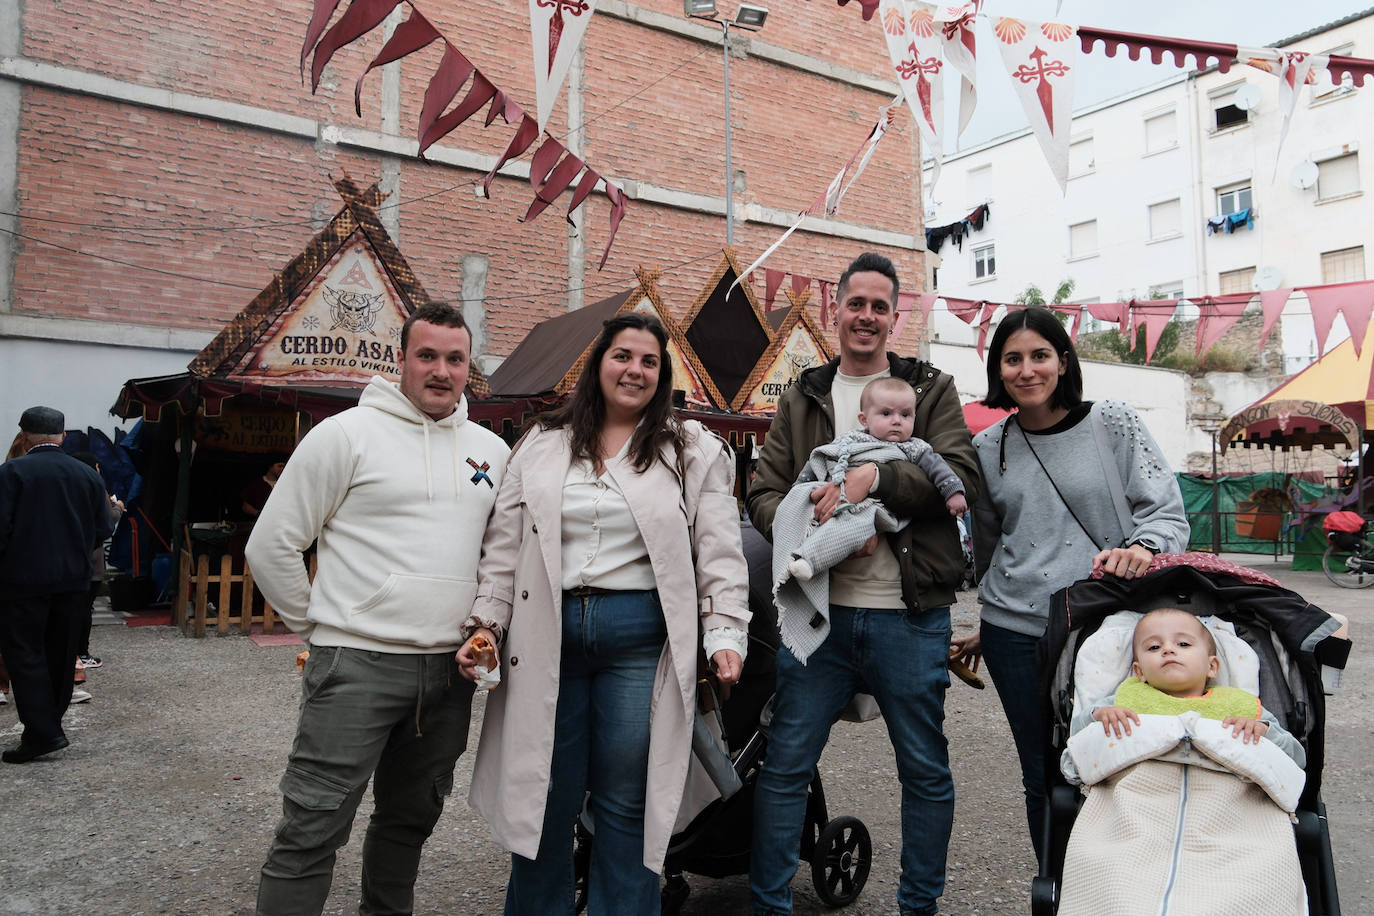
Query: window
[984,262]
[1225,112]
[1161,132]
[978,184]
[1338,177]
[1083,239]
[1236,281]
[1171,290]
[1233,200]
[1343,266]
[1166,218]
[1080,157]
[1323,89]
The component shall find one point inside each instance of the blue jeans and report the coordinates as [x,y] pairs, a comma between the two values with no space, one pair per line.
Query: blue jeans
[611,646]
[899,658]
[1010,657]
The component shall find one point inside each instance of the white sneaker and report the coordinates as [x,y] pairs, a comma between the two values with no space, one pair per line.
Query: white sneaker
[4,697]
[80,696]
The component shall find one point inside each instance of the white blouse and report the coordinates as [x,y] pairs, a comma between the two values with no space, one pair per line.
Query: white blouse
[602,546]
[601,542]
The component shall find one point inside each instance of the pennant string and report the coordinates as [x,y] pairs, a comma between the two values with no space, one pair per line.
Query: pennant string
[555,167]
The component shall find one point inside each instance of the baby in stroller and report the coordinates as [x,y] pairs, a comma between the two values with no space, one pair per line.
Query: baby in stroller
[1191,793]
[1174,661]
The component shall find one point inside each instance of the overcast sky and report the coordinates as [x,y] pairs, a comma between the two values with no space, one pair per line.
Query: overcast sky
[1249,22]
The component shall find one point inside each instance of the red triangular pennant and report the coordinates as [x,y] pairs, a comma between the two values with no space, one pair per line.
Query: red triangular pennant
[1355,301]
[1215,318]
[772,279]
[1272,302]
[1154,314]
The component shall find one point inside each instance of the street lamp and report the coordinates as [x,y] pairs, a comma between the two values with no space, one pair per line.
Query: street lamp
[750,18]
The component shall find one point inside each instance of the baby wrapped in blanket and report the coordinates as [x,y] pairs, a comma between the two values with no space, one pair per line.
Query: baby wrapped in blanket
[1190,783]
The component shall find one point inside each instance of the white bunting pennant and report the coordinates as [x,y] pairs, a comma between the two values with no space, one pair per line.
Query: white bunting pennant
[916,50]
[956,32]
[556,30]
[1294,69]
[1042,60]
[829,202]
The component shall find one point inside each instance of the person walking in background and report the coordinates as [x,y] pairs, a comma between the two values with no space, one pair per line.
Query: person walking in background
[1069,486]
[116,507]
[53,512]
[612,557]
[889,623]
[397,491]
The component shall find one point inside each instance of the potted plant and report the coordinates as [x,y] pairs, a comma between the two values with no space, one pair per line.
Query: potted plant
[1260,515]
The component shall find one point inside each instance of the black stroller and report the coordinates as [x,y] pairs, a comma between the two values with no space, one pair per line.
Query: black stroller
[1293,641]
[717,841]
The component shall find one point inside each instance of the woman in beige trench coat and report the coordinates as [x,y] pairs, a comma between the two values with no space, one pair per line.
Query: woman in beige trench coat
[612,554]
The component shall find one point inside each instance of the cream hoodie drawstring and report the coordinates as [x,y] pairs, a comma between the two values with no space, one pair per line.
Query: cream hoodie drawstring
[429,475]
[457,471]
[429,467]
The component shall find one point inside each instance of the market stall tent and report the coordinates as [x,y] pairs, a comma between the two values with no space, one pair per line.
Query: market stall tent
[1341,382]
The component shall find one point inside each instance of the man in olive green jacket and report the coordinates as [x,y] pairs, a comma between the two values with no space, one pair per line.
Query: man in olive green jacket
[889,613]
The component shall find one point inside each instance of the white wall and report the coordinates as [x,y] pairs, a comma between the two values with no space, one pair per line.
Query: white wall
[80,379]
[1160,395]
[1030,217]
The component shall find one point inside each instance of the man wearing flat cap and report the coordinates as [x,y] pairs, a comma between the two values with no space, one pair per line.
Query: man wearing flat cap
[52,516]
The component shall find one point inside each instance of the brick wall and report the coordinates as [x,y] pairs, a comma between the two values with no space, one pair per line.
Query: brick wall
[221,207]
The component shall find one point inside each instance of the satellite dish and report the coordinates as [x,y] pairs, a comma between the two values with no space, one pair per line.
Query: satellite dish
[1304,175]
[1267,278]
[1248,97]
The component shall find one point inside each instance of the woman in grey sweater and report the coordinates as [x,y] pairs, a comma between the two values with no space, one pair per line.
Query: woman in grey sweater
[1070,486]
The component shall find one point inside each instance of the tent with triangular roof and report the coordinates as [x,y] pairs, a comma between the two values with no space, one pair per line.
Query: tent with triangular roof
[798,344]
[313,337]
[1327,404]
[303,349]
[727,327]
[551,356]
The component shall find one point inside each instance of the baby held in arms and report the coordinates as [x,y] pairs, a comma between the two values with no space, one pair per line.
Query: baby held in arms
[887,409]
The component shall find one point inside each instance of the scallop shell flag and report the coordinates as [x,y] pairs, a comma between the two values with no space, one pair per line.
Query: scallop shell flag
[916,48]
[961,51]
[556,30]
[1041,58]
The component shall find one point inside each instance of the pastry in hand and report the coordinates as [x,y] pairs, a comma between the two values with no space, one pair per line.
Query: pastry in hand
[965,673]
[488,662]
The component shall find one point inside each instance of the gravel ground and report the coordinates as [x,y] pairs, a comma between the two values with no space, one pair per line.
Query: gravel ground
[166,799]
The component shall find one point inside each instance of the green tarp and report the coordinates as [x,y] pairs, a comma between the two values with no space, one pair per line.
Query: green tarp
[1303,538]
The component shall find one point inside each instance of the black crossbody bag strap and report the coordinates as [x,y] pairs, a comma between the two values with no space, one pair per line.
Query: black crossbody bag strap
[1091,540]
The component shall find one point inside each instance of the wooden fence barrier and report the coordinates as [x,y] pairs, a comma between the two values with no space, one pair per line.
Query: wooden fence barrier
[206,595]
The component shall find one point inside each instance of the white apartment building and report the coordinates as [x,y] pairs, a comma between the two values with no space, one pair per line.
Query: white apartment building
[1148,169]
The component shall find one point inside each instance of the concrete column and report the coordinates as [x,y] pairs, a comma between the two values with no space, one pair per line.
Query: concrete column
[474,303]
[576,143]
[10,95]
[389,182]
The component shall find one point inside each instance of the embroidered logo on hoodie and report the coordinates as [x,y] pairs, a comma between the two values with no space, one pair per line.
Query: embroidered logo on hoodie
[481,474]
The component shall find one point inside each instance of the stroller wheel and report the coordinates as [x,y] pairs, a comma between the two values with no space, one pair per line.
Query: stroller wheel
[840,863]
[673,895]
[1044,896]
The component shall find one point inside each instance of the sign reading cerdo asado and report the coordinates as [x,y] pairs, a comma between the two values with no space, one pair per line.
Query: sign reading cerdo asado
[344,327]
[246,430]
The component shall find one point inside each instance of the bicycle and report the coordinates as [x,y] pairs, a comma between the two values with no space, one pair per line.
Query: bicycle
[1349,558]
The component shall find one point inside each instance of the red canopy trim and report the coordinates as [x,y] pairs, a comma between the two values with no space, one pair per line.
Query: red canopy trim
[555,169]
[1203,53]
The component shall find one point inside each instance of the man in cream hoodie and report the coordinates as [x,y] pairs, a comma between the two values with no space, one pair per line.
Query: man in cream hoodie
[397,491]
